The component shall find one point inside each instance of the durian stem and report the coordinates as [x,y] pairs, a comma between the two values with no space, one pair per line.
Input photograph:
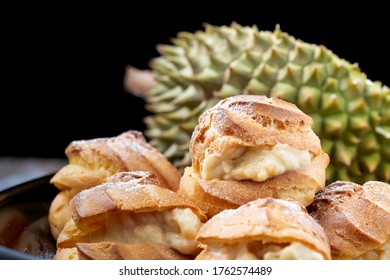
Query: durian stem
[138,82]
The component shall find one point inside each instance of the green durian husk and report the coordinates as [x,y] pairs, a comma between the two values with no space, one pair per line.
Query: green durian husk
[351,114]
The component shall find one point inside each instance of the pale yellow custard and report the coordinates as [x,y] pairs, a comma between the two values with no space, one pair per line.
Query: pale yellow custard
[175,228]
[257,164]
[259,251]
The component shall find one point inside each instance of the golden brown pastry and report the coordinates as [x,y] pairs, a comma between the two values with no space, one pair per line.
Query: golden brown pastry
[92,161]
[356,219]
[70,254]
[131,208]
[59,212]
[249,147]
[118,251]
[264,229]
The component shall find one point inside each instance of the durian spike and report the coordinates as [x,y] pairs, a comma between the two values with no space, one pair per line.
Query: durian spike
[351,114]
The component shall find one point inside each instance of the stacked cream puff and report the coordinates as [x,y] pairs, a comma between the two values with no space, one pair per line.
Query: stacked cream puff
[256,166]
[356,218]
[264,229]
[249,147]
[130,216]
[91,162]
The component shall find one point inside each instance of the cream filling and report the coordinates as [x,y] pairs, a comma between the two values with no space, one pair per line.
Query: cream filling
[381,253]
[268,251]
[295,251]
[175,228]
[257,164]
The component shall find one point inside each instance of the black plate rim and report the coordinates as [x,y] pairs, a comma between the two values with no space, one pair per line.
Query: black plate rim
[23,187]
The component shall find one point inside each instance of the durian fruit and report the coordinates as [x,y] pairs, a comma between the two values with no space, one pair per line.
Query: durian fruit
[351,114]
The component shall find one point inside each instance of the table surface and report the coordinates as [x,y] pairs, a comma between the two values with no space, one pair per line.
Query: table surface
[14,170]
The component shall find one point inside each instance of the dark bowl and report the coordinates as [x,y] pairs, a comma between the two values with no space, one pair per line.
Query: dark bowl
[24,226]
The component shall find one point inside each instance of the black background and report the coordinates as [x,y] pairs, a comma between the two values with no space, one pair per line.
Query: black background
[63,74]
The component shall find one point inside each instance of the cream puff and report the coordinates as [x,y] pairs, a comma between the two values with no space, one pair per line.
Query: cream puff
[131,208]
[91,162]
[248,147]
[264,229]
[356,219]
